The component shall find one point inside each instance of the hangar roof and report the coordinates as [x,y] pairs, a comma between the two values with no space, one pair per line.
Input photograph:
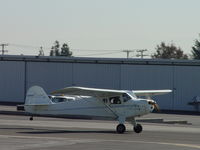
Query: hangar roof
[149,61]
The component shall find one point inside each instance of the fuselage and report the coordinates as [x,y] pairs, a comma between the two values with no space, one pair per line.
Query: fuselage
[92,103]
[90,107]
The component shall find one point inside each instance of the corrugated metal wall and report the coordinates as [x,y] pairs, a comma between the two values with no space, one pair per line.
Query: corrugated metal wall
[12,81]
[17,76]
[49,75]
[97,75]
[147,77]
[186,86]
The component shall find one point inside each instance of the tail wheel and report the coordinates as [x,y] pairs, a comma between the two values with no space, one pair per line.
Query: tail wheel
[121,128]
[138,128]
[31,118]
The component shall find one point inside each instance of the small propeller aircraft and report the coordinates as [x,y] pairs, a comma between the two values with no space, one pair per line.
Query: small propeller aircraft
[120,105]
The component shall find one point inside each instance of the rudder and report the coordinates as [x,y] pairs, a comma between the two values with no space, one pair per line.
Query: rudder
[37,96]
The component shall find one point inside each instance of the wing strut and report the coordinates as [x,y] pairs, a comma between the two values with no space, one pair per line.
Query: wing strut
[108,107]
[111,110]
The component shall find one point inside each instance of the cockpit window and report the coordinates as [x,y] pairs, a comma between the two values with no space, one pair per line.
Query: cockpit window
[130,93]
[125,97]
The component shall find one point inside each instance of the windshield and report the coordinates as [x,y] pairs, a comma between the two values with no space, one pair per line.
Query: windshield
[130,93]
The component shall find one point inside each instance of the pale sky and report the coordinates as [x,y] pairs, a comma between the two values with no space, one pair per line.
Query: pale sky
[98,25]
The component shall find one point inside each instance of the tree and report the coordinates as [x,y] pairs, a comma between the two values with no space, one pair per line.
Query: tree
[52,52]
[196,49]
[55,50]
[169,51]
[41,52]
[65,50]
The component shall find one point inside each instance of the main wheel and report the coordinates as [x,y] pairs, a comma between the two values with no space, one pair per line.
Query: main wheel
[121,128]
[138,128]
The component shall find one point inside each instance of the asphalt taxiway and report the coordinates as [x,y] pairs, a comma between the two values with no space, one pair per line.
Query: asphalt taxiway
[18,133]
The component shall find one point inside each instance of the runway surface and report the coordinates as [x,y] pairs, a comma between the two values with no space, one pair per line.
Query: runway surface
[18,133]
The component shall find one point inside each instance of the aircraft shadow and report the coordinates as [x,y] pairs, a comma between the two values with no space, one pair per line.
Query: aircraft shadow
[46,131]
[16,128]
[64,131]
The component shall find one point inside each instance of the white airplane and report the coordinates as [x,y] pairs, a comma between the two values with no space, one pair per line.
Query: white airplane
[120,105]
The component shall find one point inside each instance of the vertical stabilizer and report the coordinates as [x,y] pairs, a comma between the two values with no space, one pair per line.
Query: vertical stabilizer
[37,96]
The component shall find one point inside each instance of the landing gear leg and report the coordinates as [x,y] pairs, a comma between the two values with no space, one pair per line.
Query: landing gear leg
[136,127]
[31,118]
[121,128]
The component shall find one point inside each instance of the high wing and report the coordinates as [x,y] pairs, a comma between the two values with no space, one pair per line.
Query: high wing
[149,93]
[83,91]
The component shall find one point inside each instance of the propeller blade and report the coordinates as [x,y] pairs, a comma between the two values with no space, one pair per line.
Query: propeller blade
[156,106]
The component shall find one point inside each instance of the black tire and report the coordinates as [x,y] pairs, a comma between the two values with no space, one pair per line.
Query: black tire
[31,118]
[121,128]
[138,128]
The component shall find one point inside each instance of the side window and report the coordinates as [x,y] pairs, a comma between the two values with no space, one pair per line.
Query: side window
[115,100]
[105,100]
[58,100]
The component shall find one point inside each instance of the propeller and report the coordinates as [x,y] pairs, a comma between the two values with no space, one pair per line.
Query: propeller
[157,108]
[155,105]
